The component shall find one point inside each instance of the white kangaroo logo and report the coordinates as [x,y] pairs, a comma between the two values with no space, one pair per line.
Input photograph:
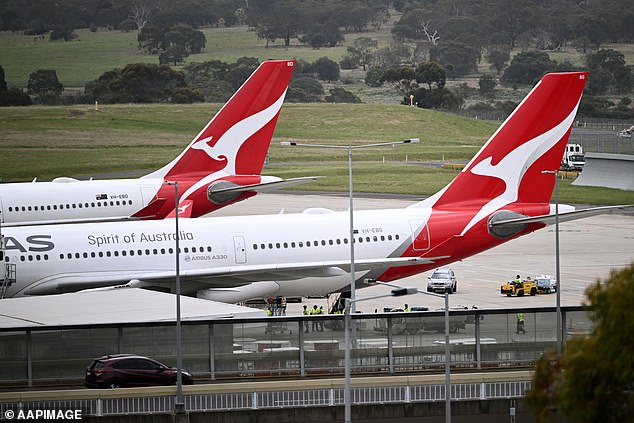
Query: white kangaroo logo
[513,166]
[230,142]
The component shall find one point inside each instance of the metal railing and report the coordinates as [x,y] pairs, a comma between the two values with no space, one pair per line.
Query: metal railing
[282,394]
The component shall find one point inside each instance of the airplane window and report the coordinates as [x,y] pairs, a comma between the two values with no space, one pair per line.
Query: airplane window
[10,209]
[68,206]
[79,205]
[74,205]
[86,205]
[301,244]
[360,239]
[98,203]
[45,256]
[170,250]
[396,236]
[61,256]
[85,255]
[116,253]
[270,246]
[108,253]
[375,239]
[277,245]
[316,243]
[69,255]
[92,204]
[193,250]
[186,249]
[209,249]
[131,252]
[23,208]
[147,252]
[100,253]
[345,241]
[29,208]
[389,237]
[35,208]
[262,246]
[162,250]
[338,241]
[330,241]
[124,253]
[118,203]
[38,257]
[323,242]
[112,203]
[92,254]
[286,245]
[77,255]
[255,246]
[382,237]
[308,243]
[292,245]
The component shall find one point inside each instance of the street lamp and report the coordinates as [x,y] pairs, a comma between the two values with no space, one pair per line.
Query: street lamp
[179,405]
[558,292]
[350,304]
[347,397]
[350,196]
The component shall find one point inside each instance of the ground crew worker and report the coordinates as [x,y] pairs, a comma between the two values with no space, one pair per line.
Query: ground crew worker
[269,312]
[306,313]
[313,312]
[407,309]
[518,280]
[520,323]
[321,322]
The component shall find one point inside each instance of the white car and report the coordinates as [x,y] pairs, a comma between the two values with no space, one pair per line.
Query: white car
[442,280]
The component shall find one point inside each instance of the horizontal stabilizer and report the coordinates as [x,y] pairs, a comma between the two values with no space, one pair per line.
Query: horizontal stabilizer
[549,219]
[267,186]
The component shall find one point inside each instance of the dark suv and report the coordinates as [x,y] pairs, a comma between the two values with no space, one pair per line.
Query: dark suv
[120,370]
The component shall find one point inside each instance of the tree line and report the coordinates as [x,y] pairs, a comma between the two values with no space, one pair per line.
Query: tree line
[213,81]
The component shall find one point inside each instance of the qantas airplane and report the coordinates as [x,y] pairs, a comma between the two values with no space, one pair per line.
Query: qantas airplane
[220,166]
[501,194]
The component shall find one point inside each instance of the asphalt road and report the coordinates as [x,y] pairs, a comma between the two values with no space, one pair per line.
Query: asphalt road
[589,248]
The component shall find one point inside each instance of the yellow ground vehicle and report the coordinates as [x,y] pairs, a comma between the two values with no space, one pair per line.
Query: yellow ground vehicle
[526,287]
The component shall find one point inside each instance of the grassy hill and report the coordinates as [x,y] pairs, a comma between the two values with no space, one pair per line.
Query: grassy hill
[78,141]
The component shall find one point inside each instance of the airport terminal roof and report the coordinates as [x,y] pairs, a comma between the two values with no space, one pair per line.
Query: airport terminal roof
[114,305]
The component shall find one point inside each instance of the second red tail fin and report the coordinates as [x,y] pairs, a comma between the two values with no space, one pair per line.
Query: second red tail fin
[237,139]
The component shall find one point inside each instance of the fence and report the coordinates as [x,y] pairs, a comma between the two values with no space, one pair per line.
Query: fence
[384,343]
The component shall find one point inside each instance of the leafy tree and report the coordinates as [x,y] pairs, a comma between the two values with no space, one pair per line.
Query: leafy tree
[362,50]
[326,35]
[403,78]
[137,83]
[462,58]
[432,74]
[340,95]
[528,67]
[3,82]
[304,89]
[439,98]
[609,73]
[273,19]
[44,86]
[326,69]
[373,77]
[498,58]
[487,84]
[594,378]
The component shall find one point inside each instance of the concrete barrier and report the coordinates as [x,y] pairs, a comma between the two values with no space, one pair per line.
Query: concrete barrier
[607,170]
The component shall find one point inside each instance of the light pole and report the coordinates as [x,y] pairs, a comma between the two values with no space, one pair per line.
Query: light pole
[350,304]
[350,195]
[347,397]
[179,405]
[558,292]
[447,349]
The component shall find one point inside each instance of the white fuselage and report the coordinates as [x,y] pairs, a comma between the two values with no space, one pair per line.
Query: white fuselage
[72,200]
[63,258]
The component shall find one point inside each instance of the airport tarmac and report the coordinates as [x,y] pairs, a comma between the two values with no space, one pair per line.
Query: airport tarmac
[589,249]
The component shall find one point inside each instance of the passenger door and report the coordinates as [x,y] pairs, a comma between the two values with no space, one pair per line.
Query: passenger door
[240,249]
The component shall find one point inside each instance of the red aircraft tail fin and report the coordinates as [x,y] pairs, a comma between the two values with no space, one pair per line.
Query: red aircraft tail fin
[510,166]
[237,139]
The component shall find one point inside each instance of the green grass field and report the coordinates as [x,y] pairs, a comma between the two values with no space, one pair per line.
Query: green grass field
[78,141]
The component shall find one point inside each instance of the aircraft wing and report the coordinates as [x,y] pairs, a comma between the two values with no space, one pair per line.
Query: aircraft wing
[549,219]
[228,276]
